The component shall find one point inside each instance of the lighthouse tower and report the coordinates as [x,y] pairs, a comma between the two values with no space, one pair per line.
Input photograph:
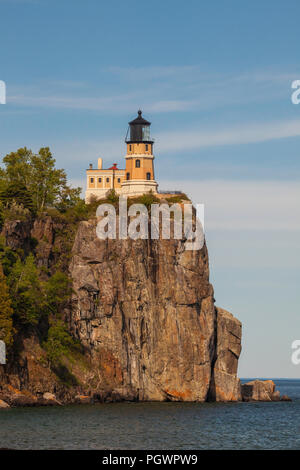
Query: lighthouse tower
[139,172]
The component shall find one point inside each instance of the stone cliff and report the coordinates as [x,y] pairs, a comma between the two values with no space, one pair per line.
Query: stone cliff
[144,312]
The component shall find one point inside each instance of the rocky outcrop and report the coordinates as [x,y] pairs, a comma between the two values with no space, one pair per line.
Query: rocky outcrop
[43,231]
[225,386]
[17,235]
[145,311]
[261,390]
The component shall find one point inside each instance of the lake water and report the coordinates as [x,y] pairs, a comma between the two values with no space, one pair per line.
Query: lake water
[157,425]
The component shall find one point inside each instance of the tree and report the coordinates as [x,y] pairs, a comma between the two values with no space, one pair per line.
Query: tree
[8,256]
[59,343]
[3,179]
[18,193]
[6,312]
[58,291]
[18,167]
[46,181]
[47,185]
[28,298]
[68,198]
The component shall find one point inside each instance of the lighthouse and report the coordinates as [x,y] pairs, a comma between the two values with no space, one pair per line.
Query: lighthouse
[138,176]
[139,171]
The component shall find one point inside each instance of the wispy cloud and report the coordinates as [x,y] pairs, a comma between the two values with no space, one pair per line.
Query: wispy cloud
[236,135]
[157,89]
[179,141]
[245,205]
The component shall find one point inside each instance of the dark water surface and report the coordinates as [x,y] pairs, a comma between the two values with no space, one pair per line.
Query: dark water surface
[157,425]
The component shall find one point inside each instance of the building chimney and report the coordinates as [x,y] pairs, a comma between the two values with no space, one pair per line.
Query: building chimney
[99,163]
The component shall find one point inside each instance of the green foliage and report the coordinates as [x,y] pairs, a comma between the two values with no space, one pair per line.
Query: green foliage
[16,193]
[26,291]
[46,182]
[58,291]
[6,312]
[29,177]
[15,211]
[177,198]
[8,257]
[59,343]
[18,169]
[34,299]
[3,180]
[30,186]
[68,198]
[147,199]
[112,197]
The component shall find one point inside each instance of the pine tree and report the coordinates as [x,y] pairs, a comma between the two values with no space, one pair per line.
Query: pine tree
[6,312]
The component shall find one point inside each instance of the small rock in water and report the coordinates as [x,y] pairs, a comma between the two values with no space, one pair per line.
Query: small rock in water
[3,404]
[285,398]
[49,399]
[262,390]
[83,399]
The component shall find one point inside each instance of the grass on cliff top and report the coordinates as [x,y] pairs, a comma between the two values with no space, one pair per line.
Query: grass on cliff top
[146,199]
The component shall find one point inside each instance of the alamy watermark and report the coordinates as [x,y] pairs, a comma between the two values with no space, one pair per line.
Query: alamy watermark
[296,354]
[296,94]
[161,221]
[2,352]
[2,92]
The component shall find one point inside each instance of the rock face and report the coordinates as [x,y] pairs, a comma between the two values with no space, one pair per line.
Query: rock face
[225,386]
[17,234]
[145,311]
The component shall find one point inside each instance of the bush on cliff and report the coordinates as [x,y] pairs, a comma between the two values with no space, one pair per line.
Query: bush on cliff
[59,342]
[58,291]
[16,193]
[26,291]
[8,257]
[146,199]
[6,312]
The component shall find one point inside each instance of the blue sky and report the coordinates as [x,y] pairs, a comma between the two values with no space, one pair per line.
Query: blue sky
[215,80]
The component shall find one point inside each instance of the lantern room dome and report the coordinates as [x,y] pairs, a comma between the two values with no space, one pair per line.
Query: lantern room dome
[139,130]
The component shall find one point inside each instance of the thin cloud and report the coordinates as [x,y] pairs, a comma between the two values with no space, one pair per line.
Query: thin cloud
[245,205]
[246,134]
[159,90]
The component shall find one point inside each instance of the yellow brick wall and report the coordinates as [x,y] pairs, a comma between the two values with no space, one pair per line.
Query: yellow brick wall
[139,148]
[146,166]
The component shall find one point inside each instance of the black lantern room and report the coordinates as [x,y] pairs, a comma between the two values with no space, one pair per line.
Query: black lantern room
[139,130]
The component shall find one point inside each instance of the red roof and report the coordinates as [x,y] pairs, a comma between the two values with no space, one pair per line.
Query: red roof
[114,167]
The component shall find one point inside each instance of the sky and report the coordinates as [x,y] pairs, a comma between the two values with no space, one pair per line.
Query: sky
[214,78]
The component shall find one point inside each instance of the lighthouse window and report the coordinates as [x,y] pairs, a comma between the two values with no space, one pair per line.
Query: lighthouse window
[146,146]
[129,148]
[146,133]
[137,163]
[127,176]
[148,176]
